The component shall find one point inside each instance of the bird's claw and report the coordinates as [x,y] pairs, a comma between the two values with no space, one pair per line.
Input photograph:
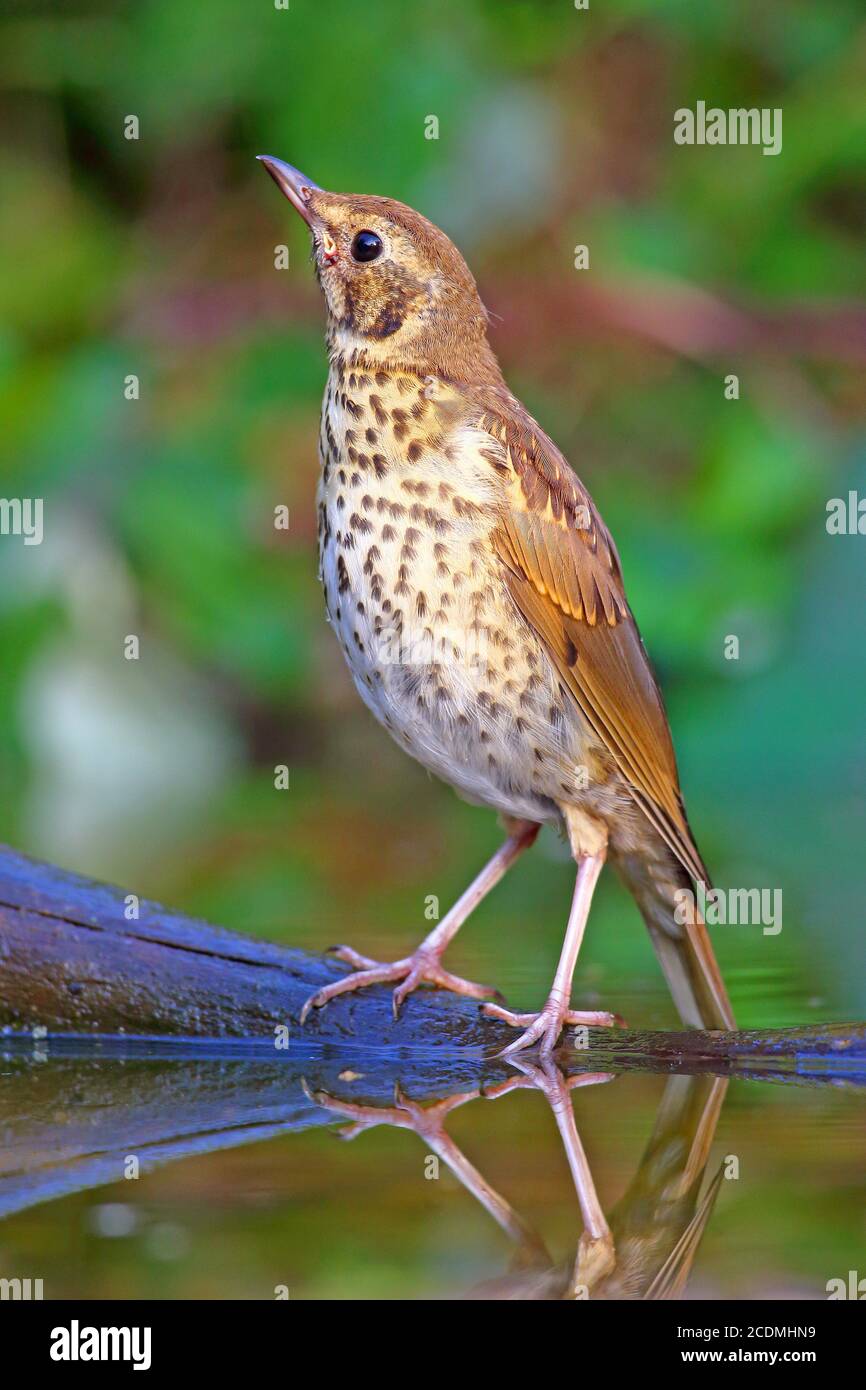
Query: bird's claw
[545,1027]
[423,967]
[406,1113]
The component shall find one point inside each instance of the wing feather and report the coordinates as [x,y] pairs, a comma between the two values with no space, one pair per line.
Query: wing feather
[563,572]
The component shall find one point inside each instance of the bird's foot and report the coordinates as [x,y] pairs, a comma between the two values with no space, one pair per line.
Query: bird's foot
[545,1027]
[422,967]
[425,1120]
[545,1075]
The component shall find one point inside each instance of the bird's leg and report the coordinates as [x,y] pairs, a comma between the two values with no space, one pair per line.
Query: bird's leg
[546,1026]
[424,965]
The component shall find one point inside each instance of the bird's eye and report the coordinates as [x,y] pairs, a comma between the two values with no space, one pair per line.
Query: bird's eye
[366,246]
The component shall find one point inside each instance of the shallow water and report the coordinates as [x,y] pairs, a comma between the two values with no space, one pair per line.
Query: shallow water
[185,1171]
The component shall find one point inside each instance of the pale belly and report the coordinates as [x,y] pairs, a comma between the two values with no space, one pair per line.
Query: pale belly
[437,650]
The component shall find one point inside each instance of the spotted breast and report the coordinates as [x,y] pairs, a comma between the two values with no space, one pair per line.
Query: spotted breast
[413,591]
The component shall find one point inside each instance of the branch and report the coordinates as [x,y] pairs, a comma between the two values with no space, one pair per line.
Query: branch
[72,963]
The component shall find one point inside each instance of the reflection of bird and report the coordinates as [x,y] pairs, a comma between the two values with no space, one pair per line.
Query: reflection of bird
[647,1250]
[658,1224]
[478,598]
[428,1122]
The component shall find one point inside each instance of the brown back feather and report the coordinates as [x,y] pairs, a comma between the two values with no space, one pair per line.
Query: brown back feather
[564,574]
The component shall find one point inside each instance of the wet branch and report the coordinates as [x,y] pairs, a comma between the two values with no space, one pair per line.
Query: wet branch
[75,958]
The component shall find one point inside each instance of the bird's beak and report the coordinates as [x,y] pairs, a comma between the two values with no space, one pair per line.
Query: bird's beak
[292,184]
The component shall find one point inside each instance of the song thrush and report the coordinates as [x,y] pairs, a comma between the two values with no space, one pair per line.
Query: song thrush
[479,601]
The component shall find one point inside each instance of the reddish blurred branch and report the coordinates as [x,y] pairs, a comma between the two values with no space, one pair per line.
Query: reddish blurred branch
[684,318]
[671,313]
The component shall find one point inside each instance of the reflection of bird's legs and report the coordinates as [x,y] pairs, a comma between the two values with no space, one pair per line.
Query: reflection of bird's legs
[428,1122]
[595,1255]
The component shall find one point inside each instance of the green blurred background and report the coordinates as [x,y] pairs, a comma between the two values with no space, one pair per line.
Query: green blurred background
[155,257]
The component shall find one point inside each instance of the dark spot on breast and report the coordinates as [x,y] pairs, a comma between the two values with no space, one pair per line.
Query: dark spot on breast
[390,319]
[464,507]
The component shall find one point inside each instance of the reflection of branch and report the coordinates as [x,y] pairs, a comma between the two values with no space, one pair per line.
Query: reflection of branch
[79,957]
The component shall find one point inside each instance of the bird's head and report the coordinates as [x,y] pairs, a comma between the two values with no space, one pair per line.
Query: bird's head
[395,286]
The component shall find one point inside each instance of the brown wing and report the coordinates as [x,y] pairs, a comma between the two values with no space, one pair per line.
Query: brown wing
[564,575]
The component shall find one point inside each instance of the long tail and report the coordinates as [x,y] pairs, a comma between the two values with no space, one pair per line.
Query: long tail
[679,936]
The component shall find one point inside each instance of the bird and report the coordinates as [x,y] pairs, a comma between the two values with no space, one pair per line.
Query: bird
[479,601]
